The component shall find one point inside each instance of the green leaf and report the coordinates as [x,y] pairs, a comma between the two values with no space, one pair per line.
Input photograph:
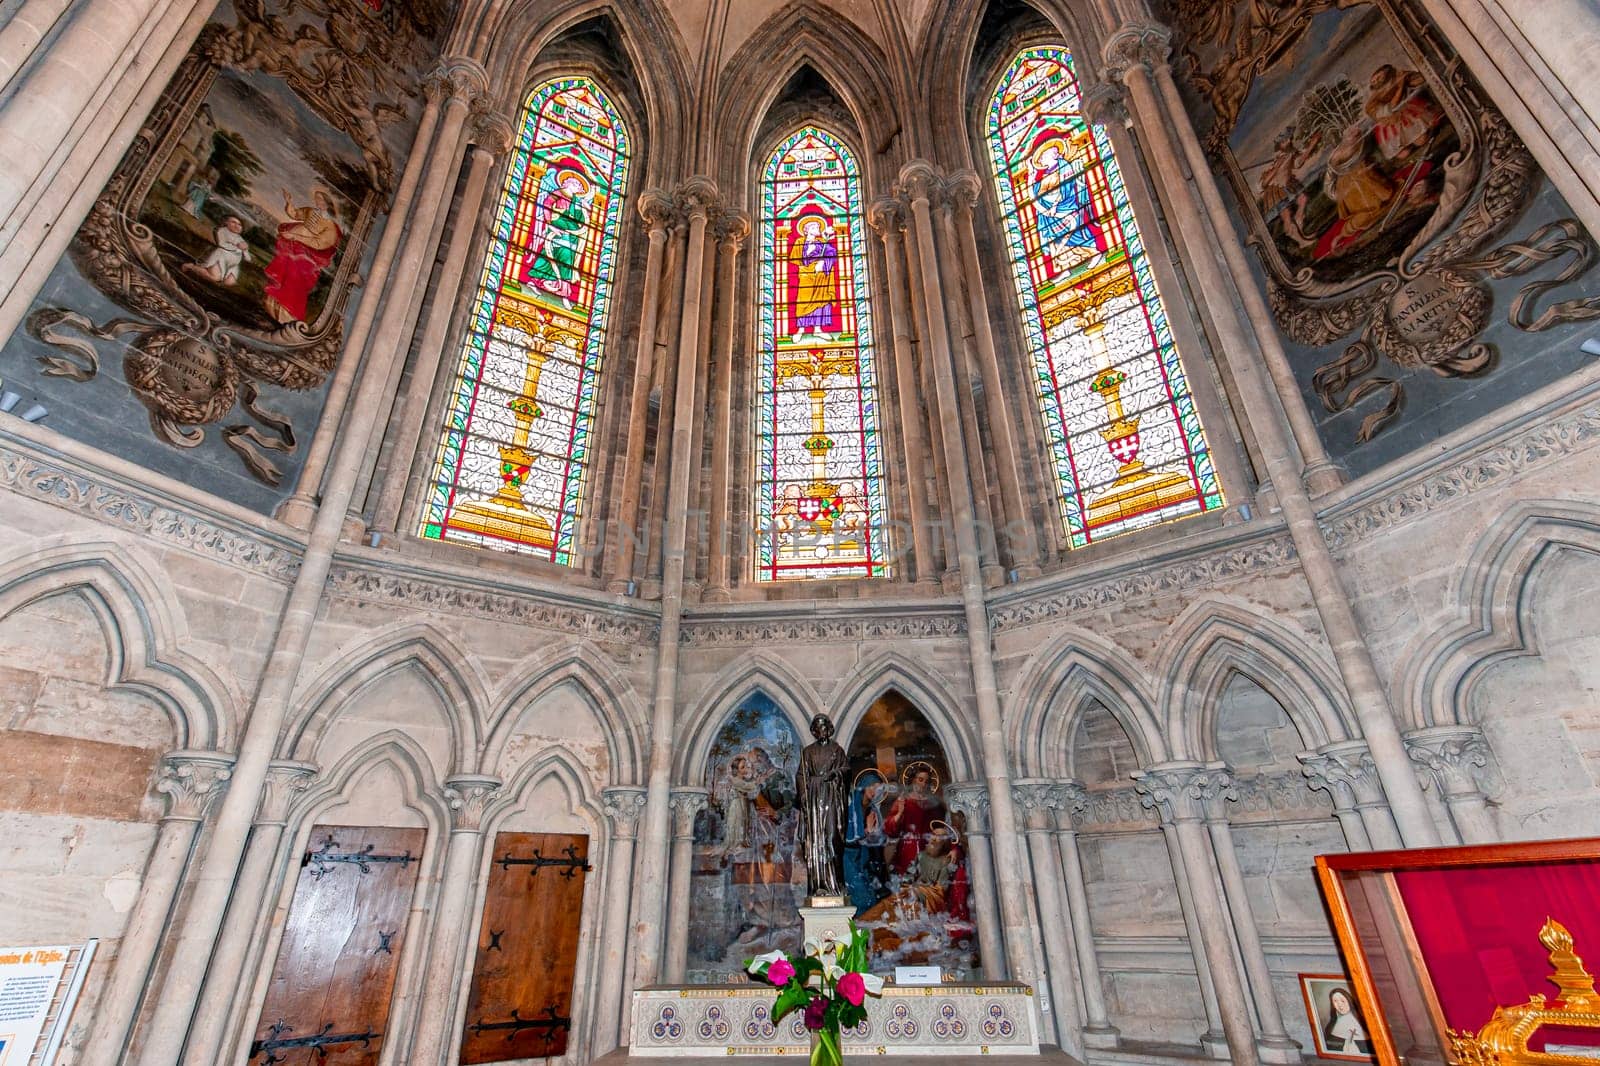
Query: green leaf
[792,995]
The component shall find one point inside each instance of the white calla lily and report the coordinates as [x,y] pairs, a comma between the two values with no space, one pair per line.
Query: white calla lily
[873,983]
[764,960]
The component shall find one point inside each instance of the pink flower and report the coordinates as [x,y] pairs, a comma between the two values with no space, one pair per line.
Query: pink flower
[815,1010]
[780,972]
[852,988]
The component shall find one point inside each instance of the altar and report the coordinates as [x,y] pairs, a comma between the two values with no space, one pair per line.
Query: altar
[913,1020]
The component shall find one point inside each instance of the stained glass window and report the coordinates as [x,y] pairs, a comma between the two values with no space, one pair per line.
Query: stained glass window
[515,448]
[1124,435]
[819,476]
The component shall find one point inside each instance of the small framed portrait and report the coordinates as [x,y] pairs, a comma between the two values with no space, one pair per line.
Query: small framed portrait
[1338,1028]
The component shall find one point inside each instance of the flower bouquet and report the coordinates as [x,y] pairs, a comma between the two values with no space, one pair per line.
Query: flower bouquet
[829,982]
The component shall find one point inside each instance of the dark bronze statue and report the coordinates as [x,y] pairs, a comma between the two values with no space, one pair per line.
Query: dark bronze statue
[819,787]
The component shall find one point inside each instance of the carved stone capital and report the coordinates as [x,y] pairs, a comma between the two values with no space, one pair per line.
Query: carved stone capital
[1072,803]
[656,208]
[971,799]
[1346,771]
[887,216]
[698,198]
[732,230]
[458,77]
[1185,791]
[962,189]
[685,803]
[468,796]
[287,780]
[492,132]
[1456,758]
[623,804]
[191,780]
[1105,104]
[1137,44]
[919,180]
[1037,800]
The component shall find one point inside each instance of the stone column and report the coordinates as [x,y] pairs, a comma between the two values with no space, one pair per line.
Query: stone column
[1346,768]
[1456,757]
[226,995]
[405,477]
[732,229]
[622,804]
[699,197]
[1274,1043]
[962,193]
[54,97]
[886,218]
[1537,62]
[1180,792]
[919,182]
[194,941]
[656,208]
[972,800]
[686,803]
[1039,801]
[301,507]
[1212,1040]
[1071,802]
[189,781]
[1130,55]
[443,979]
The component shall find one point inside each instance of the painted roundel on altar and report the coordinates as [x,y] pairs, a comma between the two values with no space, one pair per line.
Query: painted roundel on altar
[513,456]
[819,471]
[1124,436]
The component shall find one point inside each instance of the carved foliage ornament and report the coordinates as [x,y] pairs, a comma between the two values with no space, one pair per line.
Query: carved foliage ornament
[1375,196]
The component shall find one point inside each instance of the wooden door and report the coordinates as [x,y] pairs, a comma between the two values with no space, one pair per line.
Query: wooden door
[331,984]
[521,1004]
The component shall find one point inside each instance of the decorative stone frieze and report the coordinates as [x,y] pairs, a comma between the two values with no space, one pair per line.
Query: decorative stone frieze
[1345,770]
[191,781]
[468,796]
[1113,808]
[623,804]
[843,629]
[126,509]
[450,593]
[1037,801]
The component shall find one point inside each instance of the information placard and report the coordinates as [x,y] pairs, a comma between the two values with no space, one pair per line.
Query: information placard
[29,981]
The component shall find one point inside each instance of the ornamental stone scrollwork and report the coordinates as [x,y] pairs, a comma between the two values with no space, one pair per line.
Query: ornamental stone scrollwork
[1114,807]
[709,633]
[287,780]
[190,781]
[1347,772]
[459,77]
[962,190]
[623,804]
[887,216]
[656,208]
[1071,805]
[1037,800]
[1137,44]
[972,800]
[686,803]
[468,796]
[698,197]
[1105,104]
[1456,758]
[1274,796]
[1186,791]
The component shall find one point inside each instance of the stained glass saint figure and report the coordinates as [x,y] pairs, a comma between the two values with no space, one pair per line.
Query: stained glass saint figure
[813,278]
[561,217]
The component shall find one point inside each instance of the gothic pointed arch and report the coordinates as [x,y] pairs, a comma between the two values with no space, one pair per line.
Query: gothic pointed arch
[804,34]
[1072,674]
[1120,427]
[891,670]
[610,698]
[757,672]
[513,463]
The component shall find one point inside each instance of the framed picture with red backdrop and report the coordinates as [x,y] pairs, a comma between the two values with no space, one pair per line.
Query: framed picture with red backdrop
[1468,955]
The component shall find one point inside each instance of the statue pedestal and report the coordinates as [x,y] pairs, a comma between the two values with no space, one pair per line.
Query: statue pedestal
[824,915]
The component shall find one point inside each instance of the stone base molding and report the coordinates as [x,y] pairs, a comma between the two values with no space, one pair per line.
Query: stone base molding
[955,1020]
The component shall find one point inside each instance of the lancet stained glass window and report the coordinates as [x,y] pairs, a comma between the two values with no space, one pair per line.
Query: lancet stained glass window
[819,475]
[510,466]
[1124,435]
